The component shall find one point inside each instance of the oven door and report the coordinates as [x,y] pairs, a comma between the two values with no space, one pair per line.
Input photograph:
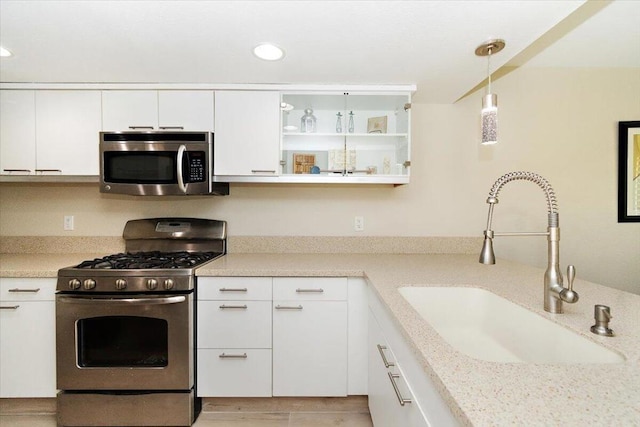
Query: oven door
[117,342]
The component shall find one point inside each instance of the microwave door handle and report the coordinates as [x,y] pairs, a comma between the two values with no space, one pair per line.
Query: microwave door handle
[181,184]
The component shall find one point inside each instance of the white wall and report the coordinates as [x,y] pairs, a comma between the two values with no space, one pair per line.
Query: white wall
[559,123]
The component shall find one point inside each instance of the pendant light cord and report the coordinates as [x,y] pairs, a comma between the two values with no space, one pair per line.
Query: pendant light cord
[489,71]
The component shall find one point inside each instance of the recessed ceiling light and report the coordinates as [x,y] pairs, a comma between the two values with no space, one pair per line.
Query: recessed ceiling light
[4,52]
[268,52]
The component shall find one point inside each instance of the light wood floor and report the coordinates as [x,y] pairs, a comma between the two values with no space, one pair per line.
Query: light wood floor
[351,411]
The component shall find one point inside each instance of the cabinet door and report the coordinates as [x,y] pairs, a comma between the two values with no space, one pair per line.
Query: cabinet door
[185,110]
[27,349]
[310,348]
[129,109]
[17,132]
[67,132]
[247,137]
[359,138]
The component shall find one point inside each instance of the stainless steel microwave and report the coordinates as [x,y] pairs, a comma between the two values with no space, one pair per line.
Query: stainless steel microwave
[158,163]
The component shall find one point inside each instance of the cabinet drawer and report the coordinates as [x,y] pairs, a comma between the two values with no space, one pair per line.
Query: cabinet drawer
[234,324]
[234,288]
[234,373]
[310,288]
[25,289]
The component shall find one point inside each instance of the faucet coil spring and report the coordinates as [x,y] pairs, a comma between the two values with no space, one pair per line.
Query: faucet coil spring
[552,203]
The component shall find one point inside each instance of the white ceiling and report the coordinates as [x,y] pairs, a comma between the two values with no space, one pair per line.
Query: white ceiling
[427,43]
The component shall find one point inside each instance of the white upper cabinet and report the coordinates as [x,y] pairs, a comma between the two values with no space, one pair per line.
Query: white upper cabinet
[361,135]
[190,110]
[185,110]
[357,137]
[17,132]
[129,110]
[247,136]
[50,132]
[68,123]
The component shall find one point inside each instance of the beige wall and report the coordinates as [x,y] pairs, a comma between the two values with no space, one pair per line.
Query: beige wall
[560,123]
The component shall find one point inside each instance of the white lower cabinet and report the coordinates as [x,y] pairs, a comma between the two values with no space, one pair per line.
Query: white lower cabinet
[234,337]
[310,337]
[27,338]
[281,336]
[400,393]
[391,402]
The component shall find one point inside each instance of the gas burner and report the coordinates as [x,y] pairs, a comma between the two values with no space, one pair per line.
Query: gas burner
[149,260]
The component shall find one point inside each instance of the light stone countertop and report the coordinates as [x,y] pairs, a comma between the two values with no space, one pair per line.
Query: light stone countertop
[479,393]
[40,265]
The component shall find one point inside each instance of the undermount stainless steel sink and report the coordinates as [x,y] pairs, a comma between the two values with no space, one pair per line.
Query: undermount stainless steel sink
[485,326]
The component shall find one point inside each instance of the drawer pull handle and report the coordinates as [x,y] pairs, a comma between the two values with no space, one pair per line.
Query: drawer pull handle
[243,307]
[17,170]
[233,289]
[262,171]
[319,290]
[25,290]
[140,127]
[48,170]
[233,356]
[381,349]
[9,307]
[172,127]
[401,399]
[288,307]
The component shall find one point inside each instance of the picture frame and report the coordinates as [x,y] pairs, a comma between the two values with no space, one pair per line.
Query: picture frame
[303,163]
[629,171]
[377,124]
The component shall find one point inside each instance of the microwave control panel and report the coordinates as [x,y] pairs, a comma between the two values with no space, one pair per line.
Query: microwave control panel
[197,166]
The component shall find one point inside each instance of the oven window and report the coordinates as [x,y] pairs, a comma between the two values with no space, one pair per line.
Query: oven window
[140,167]
[122,341]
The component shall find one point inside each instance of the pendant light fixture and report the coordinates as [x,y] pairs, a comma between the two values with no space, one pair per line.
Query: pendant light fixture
[489,114]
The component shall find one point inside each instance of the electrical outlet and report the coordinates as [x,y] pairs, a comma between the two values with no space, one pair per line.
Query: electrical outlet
[358,223]
[68,222]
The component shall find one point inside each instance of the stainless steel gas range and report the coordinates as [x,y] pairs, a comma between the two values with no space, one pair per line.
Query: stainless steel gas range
[125,327]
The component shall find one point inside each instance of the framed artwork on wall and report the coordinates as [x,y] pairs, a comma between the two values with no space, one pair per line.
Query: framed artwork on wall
[629,171]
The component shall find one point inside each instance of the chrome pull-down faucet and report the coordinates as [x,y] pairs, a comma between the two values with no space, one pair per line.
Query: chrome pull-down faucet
[554,291]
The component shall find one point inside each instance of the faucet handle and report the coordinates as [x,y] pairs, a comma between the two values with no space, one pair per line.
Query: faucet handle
[568,294]
[571,276]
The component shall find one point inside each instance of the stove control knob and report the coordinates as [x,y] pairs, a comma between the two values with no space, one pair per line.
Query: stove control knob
[121,284]
[89,284]
[152,284]
[168,284]
[74,284]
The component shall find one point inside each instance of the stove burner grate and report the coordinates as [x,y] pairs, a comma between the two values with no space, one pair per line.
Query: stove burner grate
[149,260]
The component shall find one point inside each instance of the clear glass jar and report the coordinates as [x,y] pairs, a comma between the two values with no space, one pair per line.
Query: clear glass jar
[308,121]
[339,123]
[351,127]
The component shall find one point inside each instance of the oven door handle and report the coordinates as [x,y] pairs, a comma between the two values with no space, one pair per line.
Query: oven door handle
[126,301]
[179,171]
